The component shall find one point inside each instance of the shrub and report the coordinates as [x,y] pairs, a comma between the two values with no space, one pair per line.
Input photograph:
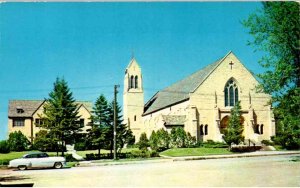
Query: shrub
[143,154]
[212,144]
[143,142]
[69,158]
[242,149]
[18,141]
[267,142]
[4,147]
[154,153]
[80,146]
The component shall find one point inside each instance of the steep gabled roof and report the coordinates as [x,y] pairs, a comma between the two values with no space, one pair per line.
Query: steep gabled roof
[27,108]
[180,91]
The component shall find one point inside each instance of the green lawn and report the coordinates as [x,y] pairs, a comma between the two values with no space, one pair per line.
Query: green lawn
[180,152]
[5,158]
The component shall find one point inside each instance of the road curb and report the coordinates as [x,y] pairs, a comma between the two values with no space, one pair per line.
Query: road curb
[231,156]
[174,159]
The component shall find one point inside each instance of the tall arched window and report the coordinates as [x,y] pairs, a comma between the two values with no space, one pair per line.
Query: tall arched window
[131,82]
[201,130]
[262,129]
[231,93]
[206,129]
[136,82]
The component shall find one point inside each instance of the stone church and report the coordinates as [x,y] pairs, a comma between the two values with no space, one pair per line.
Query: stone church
[200,103]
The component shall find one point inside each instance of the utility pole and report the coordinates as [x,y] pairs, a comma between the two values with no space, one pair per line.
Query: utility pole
[115,121]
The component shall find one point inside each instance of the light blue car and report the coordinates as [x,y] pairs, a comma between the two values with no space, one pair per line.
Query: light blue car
[37,160]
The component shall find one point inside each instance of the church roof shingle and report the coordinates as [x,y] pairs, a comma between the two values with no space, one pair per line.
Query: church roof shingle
[179,91]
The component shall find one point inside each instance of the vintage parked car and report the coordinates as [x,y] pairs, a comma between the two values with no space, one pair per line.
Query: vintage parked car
[37,160]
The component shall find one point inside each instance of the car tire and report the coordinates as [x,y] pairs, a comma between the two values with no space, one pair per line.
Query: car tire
[58,165]
[22,167]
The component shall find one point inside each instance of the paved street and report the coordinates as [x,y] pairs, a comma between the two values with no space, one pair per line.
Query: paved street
[254,171]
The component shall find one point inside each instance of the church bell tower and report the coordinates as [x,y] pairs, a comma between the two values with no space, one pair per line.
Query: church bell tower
[133,98]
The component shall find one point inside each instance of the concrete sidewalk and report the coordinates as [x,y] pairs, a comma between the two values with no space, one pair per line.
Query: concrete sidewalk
[187,158]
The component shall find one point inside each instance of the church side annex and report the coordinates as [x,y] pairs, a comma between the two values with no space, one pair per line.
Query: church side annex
[200,103]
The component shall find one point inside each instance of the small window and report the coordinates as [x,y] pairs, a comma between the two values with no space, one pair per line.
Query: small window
[256,129]
[20,110]
[136,82]
[201,130]
[134,118]
[131,82]
[261,129]
[20,122]
[206,129]
[81,122]
[39,122]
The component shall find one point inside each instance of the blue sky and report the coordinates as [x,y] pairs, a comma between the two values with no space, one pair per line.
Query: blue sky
[90,45]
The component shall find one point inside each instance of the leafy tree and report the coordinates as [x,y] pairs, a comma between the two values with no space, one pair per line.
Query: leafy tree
[4,147]
[276,31]
[17,141]
[234,131]
[44,142]
[99,126]
[163,139]
[178,137]
[143,142]
[61,114]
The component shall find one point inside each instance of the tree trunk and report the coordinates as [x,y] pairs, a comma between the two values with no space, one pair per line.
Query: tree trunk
[56,147]
[99,151]
[62,144]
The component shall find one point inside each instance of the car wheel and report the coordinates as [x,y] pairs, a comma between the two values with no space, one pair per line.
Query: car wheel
[58,165]
[22,167]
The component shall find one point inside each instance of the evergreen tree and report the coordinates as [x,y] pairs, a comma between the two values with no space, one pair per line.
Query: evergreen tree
[276,31]
[99,126]
[234,132]
[163,139]
[153,141]
[143,142]
[178,137]
[61,115]
[124,134]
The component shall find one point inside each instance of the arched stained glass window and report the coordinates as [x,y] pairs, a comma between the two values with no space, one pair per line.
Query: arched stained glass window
[236,95]
[231,94]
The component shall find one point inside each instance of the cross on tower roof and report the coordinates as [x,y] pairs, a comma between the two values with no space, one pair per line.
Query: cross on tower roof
[231,63]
